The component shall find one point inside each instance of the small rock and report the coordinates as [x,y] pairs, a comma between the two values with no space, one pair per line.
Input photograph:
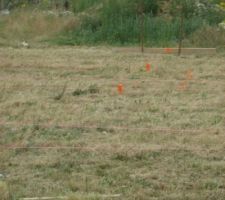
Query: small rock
[1,176]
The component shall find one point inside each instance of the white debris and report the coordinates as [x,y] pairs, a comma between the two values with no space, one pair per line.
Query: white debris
[4,12]
[66,13]
[50,13]
[25,44]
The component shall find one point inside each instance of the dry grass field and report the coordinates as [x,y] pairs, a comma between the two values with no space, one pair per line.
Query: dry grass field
[65,131]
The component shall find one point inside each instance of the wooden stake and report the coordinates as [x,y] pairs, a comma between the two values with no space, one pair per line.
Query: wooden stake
[86,184]
[142,33]
[141,11]
[181,31]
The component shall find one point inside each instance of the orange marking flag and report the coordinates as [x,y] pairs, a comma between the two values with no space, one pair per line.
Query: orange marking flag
[189,74]
[120,88]
[168,50]
[148,67]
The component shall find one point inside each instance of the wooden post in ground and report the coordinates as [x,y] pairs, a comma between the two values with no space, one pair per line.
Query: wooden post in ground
[86,184]
[141,13]
[181,31]
[142,33]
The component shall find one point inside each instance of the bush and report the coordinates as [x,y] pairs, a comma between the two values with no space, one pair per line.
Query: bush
[126,30]
[208,36]
[81,5]
[118,23]
[186,7]
[212,13]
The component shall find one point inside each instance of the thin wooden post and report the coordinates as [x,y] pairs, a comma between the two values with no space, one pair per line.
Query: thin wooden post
[86,184]
[142,33]
[181,31]
[141,13]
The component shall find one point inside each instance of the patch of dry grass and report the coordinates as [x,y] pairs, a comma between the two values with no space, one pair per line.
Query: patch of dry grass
[154,141]
[32,26]
[4,192]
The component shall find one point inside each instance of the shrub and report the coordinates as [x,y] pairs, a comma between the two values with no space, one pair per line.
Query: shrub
[118,23]
[186,7]
[208,36]
[211,12]
[81,5]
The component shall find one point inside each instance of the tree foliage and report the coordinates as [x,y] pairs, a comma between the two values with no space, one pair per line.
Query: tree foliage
[209,10]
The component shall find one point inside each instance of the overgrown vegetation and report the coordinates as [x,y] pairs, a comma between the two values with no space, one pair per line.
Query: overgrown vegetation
[119,22]
[116,22]
[82,5]
[208,36]
[33,26]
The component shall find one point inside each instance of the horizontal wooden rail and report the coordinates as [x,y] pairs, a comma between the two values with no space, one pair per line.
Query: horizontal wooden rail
[185,51]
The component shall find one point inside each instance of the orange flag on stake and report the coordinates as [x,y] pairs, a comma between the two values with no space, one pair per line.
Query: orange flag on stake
[189,74]
[168,50]
[148,67]
[120,88]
